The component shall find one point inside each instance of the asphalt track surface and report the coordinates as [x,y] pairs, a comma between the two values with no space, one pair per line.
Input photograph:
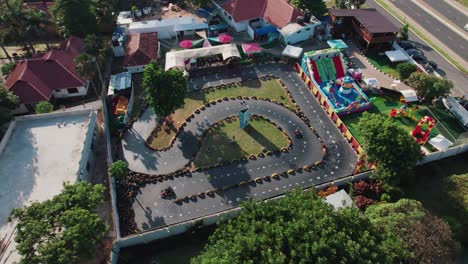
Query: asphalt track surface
[151,211]
[449,12]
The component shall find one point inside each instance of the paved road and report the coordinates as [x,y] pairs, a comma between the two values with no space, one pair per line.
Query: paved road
[447,69]
[151,211]
[439,30]
[449,12]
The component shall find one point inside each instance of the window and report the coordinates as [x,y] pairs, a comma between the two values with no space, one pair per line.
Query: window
[72,90]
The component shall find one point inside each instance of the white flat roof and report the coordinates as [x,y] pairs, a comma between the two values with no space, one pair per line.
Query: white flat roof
[37,159]
[397,55]
[178,23]
[292,51]
[440,142]
[290,28]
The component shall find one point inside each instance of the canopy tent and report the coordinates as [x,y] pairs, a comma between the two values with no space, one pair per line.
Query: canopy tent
[120,81]
[250,48]
[457,110]
[440,142]
[337,44]
[197,42]
[224,38]
[201,34]
[397,55]
[176,59]
[206,44]
[409,95]
[292,51]
[186,44]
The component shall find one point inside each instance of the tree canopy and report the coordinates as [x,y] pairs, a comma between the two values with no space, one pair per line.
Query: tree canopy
[43,107]
[428,238]
[118,169]
[349,4]
[390,146]
[300,228]
[405,69]
[74,17]
[429,86]
[315,7]
[166,90]
[63,229]
[8,102]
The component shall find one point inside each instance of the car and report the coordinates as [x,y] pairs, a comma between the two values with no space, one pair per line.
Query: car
[432,64]
[406,45]
[421,59]
[412,52]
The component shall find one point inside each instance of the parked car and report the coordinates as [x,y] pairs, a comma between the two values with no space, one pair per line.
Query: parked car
[406,45]
[412,52]
[421,59]
[432,64]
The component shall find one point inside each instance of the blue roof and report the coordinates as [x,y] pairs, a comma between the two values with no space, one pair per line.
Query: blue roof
[119,34]
[265,30]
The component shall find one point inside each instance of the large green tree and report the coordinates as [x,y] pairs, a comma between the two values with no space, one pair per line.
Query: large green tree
[429,86]
[64,229]
[75,17]
[428,238]
[86,67]
[165,90]
[349,4]
[390,146]
[315,7]
[43,107]
[300,228]
[8,102]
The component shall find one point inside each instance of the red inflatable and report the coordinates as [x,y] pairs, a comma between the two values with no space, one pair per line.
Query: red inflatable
[419,134]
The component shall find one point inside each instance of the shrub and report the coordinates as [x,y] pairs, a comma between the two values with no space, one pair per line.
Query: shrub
[363,202]
[405,69]
[43,107]
[7,68]
[118,169]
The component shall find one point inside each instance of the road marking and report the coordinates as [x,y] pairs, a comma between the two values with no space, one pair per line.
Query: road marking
[450,37]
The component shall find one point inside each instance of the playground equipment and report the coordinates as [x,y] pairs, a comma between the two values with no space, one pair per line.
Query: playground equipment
[420,135]
[404,112]
[325,68]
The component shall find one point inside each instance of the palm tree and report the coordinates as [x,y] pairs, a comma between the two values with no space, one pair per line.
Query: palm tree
[86,68]
[36,22]
[13,15]
[3,36]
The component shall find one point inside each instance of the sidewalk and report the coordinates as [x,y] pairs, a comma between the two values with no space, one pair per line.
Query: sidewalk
[421,29]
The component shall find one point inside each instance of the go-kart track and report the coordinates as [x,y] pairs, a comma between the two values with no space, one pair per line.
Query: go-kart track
[234,182]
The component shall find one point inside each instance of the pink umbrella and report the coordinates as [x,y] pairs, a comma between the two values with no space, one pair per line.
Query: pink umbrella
[186,44]
[206,43]
[251,48]
[224,38]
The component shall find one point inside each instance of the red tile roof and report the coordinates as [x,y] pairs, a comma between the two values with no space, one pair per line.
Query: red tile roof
[40,5]
[36,79]
[141,49]
[277,12]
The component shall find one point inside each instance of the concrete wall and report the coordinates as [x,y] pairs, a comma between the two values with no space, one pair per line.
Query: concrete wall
[83,173]
[7,135]
[444,153]
[128,113]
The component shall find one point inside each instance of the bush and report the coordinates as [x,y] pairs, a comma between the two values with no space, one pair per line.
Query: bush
[43,107]
[363,202]
[118,169]
[405,69]
[7,68]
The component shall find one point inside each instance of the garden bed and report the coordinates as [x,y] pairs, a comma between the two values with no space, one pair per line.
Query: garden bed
[230,142]
[271,89]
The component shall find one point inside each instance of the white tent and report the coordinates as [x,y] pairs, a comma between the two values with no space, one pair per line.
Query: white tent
[292,51]
[409,95]
[397,55]
[457,110]
[440,142]
[176,59]
[339,200]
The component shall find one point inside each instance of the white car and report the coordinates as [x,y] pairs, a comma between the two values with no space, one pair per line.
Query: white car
[466,27]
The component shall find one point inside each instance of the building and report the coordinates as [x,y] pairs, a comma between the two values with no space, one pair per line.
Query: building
[370,28]
[265,19]
[176,27]
[38,153]
[141,48]
[48,76]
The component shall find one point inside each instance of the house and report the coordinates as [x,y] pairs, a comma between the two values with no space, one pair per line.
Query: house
[167,28]
[48,76]
[370,28]
[263,18]
[141,48]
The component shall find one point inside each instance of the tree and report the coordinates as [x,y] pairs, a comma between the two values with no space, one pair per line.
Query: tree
[390,146]
[300,228]
[74,17]
[36,21]
[64,229]
[7,68]
[316,7]
[405,69]
[13,17]
[86,67]
[104,11]
[349,4]
[166,90]
[43,107]
[404,32]
[8,102]
[428,86]
[427,237]
[118,169]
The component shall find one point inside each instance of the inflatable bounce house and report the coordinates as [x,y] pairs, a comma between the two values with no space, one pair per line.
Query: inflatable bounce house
[421,132]
[328,73]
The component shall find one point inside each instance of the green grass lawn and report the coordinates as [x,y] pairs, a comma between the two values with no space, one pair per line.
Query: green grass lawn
[258,136]
[382,63]
[442,188]
[463,2]
[266,89]
[448,125]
